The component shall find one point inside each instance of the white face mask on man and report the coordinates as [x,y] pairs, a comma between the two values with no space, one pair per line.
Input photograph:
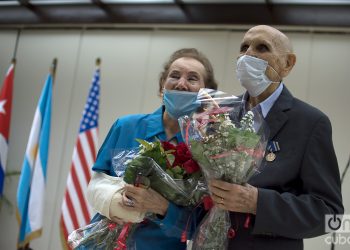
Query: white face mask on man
[251,74]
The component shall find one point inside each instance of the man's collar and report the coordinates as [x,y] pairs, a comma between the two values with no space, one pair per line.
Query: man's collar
[266,105]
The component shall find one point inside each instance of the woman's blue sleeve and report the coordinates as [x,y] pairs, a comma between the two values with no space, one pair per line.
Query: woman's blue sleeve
[179,220]
[104,156]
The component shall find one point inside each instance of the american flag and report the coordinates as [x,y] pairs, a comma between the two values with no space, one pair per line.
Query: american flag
[76,212]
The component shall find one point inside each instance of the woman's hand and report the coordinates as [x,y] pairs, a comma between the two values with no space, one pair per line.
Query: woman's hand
[234,197]
[144,200]
[117,220]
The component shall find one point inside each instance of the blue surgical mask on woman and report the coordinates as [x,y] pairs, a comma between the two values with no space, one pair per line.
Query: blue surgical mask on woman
[251,74]
[178,103]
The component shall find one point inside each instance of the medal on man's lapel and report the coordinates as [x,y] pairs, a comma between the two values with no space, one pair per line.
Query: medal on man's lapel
[272,147]
[270,156]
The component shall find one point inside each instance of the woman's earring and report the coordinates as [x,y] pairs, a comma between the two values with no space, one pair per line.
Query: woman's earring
[162,96]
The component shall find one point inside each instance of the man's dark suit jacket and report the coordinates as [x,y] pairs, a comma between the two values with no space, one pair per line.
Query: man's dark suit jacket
[299,187]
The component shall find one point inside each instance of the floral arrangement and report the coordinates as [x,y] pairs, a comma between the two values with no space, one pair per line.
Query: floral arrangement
[99,235]
[228,151]
[180,164]
[168,169]
[229,145]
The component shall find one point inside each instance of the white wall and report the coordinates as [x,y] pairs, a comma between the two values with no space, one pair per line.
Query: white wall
[131,62]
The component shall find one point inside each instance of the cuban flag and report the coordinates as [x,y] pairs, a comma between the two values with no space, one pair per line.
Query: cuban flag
[5,117]
[31,186]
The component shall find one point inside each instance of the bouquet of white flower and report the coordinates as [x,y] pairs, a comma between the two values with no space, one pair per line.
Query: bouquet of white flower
[228,144]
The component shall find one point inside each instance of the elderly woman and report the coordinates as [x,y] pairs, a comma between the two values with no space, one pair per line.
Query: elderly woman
[184,74]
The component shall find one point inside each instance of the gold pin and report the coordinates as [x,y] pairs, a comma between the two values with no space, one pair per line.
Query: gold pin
[270,156]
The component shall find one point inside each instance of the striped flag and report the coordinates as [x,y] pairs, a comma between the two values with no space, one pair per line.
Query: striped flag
[75,211]
[31,186]
[5,117]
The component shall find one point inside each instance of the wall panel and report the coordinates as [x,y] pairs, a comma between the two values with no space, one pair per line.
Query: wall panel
[329,91]
[131,63]
[123,61]
[164,43]
[7,48]
[35,53]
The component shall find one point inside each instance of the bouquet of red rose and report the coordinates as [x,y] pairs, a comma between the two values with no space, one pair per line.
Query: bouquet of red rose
[228,144]
[168,169]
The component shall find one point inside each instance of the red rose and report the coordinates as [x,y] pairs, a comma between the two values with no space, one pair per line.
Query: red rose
[183,157]
[168,146]
[182,154]
[191,166]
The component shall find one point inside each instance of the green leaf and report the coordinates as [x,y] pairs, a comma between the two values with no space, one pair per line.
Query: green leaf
[139,165]
[177,170]
[179,176]
[146,144]
[169,172]
[171,158]
[197,151]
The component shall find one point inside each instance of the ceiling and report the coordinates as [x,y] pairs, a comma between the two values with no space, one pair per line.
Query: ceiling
[313,13]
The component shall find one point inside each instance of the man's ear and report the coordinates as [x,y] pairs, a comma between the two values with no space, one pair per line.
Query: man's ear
[290,62]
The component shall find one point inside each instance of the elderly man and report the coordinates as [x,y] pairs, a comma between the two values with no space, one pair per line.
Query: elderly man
[299,180]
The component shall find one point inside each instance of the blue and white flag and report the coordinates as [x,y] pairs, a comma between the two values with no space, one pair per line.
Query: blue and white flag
[31,186]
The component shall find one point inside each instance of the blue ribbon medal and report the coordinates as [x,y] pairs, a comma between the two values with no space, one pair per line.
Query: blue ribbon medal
[272,147]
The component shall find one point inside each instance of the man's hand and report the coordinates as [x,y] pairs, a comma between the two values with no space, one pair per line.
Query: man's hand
[234,197]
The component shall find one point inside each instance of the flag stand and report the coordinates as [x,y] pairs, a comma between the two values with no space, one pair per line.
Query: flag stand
[26,247]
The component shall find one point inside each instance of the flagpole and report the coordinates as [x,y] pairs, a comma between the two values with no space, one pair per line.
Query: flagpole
[98,62]
[53,70]
[16,44]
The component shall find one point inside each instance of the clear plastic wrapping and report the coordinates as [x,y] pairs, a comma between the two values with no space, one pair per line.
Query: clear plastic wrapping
[228,144]
[168,169]
[101,235]
[183,192]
